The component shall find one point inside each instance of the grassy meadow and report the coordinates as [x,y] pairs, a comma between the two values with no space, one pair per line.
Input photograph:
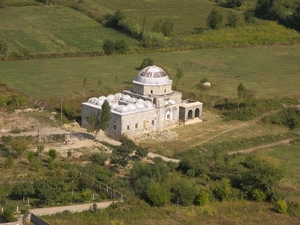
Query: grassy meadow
[53,29]
[270,70]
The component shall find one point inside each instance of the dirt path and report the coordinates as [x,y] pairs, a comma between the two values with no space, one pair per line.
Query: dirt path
[254,149]
[152,155]
[71,208]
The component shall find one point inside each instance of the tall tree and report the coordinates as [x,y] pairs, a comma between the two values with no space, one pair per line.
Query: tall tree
[232,19]
[179,75]
[105,116]
[19,144]
[214,19]
[240,92]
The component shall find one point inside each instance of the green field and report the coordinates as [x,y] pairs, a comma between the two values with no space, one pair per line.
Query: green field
[53,29]
[270,70]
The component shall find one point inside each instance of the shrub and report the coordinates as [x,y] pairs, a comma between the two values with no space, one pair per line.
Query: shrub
[146,62]
[214,19]
[281,206]
[203,198]
[222,189]
[108,47]
[152,39]
[121,47]
[259,195]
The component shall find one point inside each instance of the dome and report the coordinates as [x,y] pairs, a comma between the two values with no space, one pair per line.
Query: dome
[152,75]
[102,98]
[125,98]
[139,105]
[93,100]
[148,104]
[110,98]
[132,107]
[113,105]
[118,96]
[122,108]
[100,102]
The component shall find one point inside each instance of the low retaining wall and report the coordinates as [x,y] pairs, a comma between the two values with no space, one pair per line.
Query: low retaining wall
[37,220]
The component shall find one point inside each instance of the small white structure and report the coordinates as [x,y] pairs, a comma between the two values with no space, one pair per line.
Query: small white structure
[151,105]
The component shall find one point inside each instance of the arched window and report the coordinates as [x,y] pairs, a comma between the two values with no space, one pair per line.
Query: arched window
[190,114]
[197,112]
[167,114]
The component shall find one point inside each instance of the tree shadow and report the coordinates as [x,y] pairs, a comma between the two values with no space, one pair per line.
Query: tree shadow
[82,136]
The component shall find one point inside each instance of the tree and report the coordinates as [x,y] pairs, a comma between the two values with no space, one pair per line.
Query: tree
[3,46]
[222,189]
[158,194]
[269,9]
[105,116]
[281,206]
[40,148]
[121,47]
[8,215]
[141,152]
[232,19]
[167,27]
[19,144]
[184,191]
[179,75]
[146,62]
[249,16]
[93,120]
[23,190]
[203,198]
[240,93]
[53,154]
[9,161]
[234,3]
[263,174]
[98,158]
[108,47]
[84,83]
[214,19]
[30,156]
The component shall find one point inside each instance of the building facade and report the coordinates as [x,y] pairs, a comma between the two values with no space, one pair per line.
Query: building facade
[151,105]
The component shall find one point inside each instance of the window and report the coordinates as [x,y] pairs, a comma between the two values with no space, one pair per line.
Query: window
[165,90]
[136,125]
[151,91]
[128,128]
[115,126]
[152,122]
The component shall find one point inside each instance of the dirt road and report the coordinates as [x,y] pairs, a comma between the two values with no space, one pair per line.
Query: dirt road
[71,208]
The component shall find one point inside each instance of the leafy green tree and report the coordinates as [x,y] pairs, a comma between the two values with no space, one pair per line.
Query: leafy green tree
[203,198]
[249,16]
[184,191]
[222,189]
[269,9]
[259,195]
[8,215]
[9,161]
[93,121]
[214,19]
[121,47]
[232,19]
[141,152]
[40,148]
[281,206]
[115,20]
[30,156]
[108,47]
[53,154]
[179,75]
[167,28]
[19,144]
[3,45]
[98,158]
[157,26]
[23,190]
[87,193]
[146,62]
[105,116]
[158,194]
[3,201]
[234,3]
[263,173]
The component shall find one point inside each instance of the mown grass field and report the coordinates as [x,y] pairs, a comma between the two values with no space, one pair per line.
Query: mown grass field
[53,29]
[272,71]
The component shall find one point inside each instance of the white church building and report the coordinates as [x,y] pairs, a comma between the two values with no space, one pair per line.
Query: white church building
[151,105]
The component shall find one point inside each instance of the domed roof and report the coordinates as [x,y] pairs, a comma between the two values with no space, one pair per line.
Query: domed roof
[152,75]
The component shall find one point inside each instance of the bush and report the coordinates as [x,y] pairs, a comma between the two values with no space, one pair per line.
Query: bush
[259,195]
[152,39]
[214,19]
[121,47]
[146,62]
[108,47]
[222,189]
[203,198]
[281,206]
